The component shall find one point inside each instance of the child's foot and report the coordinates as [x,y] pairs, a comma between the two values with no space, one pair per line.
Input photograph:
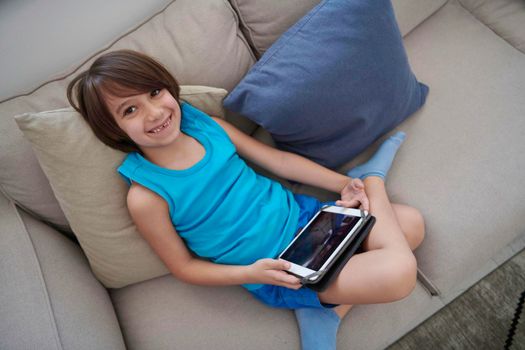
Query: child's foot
[381,161]
[318,328]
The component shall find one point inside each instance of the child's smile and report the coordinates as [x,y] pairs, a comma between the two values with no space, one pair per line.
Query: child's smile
[150,119]
[161,128]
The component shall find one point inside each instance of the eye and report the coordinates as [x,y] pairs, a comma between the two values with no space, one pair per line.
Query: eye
[155,92]
[130,110]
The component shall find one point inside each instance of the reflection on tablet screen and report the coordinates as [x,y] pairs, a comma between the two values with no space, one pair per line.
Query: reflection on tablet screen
[318,242]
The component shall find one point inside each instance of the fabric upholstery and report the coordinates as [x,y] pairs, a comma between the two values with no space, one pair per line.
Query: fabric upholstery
[209,99]
[475,113]
[82,172]
[150,311]
[23,297]
[48,296]
[505,17]
[263,22]
[462,164]
[333,83]
[197,40]
[53,36]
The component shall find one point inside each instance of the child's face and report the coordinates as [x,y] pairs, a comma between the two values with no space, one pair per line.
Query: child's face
[150,119]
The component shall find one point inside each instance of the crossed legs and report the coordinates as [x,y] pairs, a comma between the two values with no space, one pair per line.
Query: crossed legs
[387,270]
[412,224]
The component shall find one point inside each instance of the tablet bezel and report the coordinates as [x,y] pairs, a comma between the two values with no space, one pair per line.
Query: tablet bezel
[302,271]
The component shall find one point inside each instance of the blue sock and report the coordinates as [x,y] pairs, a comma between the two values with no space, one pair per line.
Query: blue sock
[318,328]
[381,161]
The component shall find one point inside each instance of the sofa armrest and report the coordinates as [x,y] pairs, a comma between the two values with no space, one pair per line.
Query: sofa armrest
[49,299]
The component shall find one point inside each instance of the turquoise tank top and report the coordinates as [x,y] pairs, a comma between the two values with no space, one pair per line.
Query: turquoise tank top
[222,208]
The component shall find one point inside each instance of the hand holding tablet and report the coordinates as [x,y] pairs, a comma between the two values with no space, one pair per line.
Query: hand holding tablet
[328,235]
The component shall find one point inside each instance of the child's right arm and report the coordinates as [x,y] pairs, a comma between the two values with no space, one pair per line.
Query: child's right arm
[150,214]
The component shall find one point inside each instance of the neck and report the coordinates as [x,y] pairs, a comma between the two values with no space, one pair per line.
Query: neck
[164,156]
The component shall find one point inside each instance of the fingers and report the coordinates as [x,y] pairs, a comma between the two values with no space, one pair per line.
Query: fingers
[355,203]
[284,279]
[357,188]
[348,204]
[365,204]
[276,264]
[293,286]
[288,280]
[273,264]
[357,184]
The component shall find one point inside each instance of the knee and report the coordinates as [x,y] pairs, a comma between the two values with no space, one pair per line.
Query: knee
[418,226]
[403,276]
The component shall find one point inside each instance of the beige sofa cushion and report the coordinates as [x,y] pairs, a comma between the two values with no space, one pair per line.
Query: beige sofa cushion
[49,297]
[505,17]
[148,313]
[463,162]
[262,23]
[207,99]
[197,40]
[82,173]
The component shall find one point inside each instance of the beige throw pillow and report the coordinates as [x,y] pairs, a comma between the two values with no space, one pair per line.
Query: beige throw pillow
[82,173]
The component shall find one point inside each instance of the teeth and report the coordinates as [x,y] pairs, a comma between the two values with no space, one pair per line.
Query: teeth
[156,130]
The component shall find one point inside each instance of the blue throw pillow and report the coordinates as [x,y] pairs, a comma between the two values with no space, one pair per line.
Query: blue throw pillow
[333,83]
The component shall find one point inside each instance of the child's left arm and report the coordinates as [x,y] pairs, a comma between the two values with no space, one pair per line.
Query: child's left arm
[296,168]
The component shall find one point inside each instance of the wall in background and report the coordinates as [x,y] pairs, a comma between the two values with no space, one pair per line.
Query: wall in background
[39,38]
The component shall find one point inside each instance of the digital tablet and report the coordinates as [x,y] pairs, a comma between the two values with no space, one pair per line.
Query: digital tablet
[320,241]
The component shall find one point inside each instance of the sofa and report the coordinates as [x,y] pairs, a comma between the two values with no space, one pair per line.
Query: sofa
[462,166]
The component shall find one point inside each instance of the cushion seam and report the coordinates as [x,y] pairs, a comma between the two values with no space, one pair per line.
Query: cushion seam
[37,216]
[238,31]
[251,41]
[4,192]
[42,279]
[487,26]
[426,19]
[103,48]
[108,46]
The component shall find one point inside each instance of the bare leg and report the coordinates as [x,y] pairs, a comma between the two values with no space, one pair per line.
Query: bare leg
[387,231]
[387,270]
[342,310]
[411,222]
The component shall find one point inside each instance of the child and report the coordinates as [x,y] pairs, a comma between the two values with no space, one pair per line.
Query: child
[214,221]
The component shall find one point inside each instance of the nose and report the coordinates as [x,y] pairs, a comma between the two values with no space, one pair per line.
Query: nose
[153,112]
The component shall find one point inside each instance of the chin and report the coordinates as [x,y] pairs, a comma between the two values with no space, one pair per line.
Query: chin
[169,139]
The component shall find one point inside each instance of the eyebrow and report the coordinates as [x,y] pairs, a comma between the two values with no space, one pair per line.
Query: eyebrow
[122,105]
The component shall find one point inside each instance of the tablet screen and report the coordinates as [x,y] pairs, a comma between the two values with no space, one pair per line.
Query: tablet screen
[320,239]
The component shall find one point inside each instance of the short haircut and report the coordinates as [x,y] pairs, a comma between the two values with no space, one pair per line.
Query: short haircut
[119,73]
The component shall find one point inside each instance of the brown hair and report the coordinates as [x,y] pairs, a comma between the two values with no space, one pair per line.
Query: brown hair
[120,73]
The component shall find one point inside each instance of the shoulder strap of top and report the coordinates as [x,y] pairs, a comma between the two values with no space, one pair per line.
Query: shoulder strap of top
[192,114]
[131,171]
[128,167]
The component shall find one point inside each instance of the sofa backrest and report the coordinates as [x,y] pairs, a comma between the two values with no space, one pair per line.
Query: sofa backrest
[197,40]
[41,39]
[203,42]
[262,22]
